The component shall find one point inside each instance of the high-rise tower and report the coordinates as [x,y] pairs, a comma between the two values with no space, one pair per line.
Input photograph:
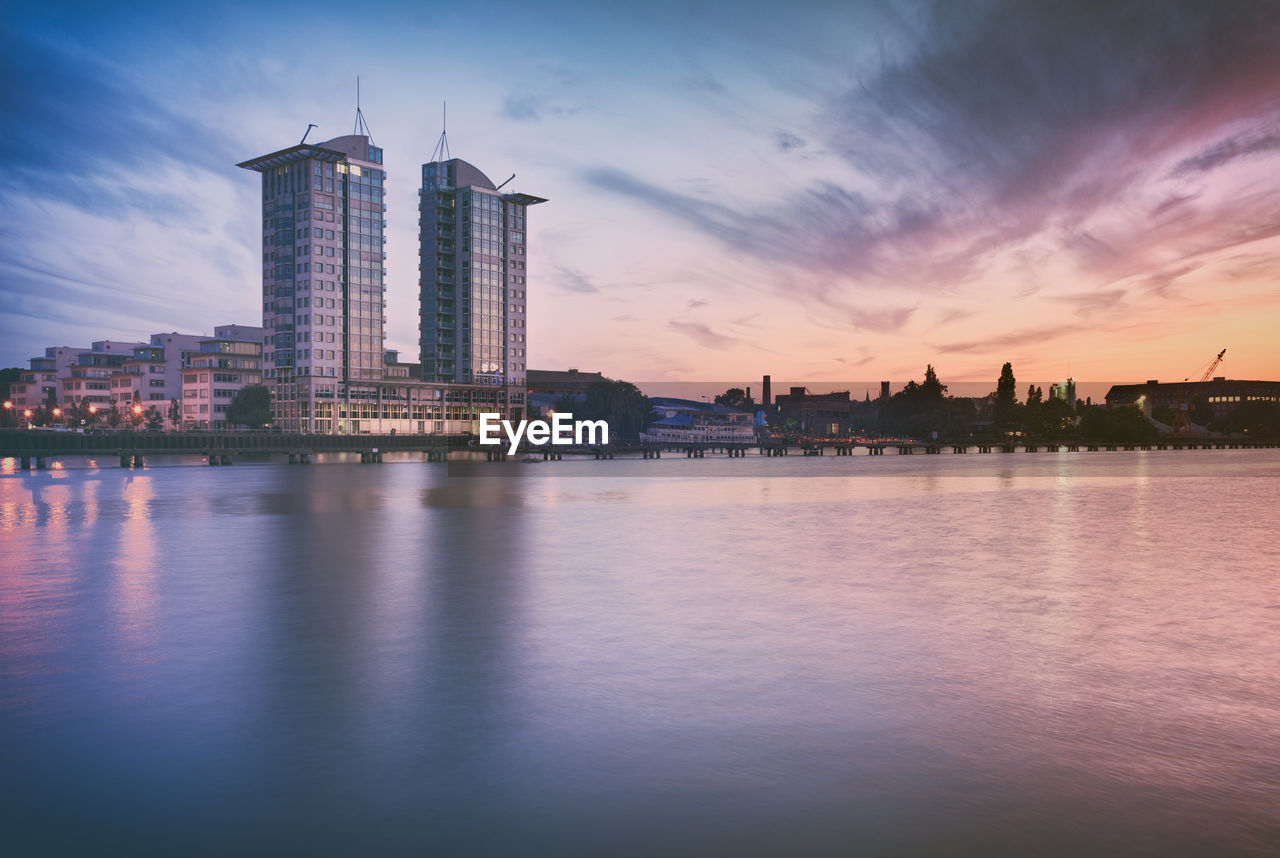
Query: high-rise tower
[323,221]
[473,252]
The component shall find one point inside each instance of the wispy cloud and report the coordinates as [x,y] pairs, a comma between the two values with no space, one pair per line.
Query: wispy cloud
[999,342]
[703,335]
[786,141]
[573,280]
[531,107]
[1231,149]
[1086,304]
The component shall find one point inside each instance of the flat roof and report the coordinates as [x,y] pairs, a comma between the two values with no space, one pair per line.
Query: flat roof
[301,152]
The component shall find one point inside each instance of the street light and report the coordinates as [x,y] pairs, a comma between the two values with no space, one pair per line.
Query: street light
[8,411]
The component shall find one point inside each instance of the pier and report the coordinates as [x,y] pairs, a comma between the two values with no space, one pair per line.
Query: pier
[33,450]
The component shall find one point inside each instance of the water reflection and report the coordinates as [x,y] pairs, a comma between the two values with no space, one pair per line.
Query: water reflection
[985,655]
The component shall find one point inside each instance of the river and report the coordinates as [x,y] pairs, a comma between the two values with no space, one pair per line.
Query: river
[1010,654]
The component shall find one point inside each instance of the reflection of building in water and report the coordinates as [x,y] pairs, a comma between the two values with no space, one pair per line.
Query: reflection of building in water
[684,420]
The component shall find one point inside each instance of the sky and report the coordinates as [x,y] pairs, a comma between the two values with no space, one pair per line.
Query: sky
[820,191]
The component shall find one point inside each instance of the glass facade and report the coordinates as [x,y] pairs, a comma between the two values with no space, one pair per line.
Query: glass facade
[323,228]
[473,274]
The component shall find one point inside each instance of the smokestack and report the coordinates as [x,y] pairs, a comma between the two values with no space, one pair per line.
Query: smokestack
[765,399]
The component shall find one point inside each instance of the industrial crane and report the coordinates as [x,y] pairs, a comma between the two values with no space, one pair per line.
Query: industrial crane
[1208,373]
[1182,418]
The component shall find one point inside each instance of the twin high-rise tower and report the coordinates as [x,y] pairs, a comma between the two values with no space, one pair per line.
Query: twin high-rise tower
[473,249]
[323,289]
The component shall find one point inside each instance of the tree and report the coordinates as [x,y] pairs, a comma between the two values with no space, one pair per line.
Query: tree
[1006,404]
[114,417]
[736,397]
[135,410]
[1202,412]
[1123,424]
[1033,411]
[932,388]
[251,407]
[1056,417]
[175,413]
[620,403]
[920,409]
[155,421]
[8,375]
[1257,418]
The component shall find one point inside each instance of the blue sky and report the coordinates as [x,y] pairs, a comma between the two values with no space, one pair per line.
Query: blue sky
[820,191]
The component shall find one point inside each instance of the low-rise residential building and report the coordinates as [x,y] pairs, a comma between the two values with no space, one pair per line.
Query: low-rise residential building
[42,385]
[89,378]
[219,369]
[141,377]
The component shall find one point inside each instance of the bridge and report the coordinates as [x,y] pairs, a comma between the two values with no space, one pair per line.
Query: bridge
[34,448]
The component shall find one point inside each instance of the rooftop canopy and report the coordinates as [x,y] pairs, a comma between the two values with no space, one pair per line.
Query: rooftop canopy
[301,152]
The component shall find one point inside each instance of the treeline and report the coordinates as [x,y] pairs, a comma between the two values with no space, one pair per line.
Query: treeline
[621,403]
[1258,417]
[923,408]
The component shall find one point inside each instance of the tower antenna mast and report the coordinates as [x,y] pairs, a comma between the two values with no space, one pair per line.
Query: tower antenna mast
[441,152]
[361,127]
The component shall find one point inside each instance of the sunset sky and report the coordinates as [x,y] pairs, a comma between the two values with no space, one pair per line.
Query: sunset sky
[824,191]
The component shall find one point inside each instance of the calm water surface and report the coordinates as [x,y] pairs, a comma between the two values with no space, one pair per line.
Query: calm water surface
[1058,654]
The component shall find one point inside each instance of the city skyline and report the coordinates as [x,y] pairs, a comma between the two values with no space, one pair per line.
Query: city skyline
[739,190]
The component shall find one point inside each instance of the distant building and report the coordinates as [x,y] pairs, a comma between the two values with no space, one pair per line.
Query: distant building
[1222,394]
[1066,391]
[815,414]
[561,383]
[41,384]
[686,420]
[396,368]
